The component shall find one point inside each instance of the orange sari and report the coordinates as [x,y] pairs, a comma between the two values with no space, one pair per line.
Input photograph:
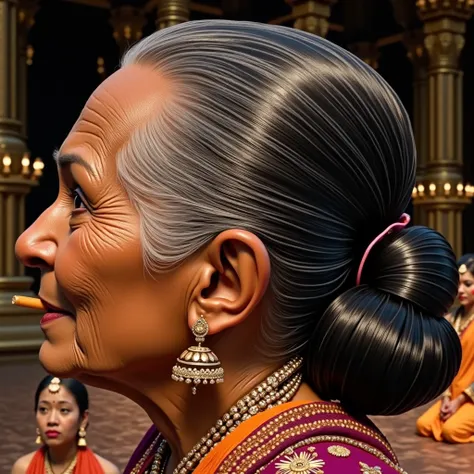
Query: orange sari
[86,463]
[459,428]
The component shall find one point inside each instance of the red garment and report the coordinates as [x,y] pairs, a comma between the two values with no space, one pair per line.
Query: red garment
[86,463]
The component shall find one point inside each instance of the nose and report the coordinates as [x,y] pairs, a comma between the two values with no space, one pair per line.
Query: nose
[53,418]
[36,247]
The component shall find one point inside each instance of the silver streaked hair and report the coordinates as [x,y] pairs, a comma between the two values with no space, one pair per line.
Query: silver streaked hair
[278,132]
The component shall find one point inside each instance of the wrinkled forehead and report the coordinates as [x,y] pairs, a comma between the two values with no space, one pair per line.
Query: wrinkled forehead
[122,103]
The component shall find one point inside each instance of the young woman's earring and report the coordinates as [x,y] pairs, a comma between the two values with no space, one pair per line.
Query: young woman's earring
[81,442]
[38,437]
[198,364]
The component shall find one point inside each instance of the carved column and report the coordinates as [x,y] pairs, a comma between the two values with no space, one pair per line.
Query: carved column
[26,19]
[19,328]
[312,16]
[172,12]
[127,22]
[442,193]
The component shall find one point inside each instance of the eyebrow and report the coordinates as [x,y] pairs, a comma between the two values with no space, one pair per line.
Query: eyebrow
[71,158]
[61,402]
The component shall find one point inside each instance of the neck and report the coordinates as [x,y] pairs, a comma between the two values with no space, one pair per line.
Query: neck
[181,417]
[62,456]
[184,418]
[467,310]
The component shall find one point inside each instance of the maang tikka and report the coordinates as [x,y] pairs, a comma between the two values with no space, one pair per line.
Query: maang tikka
[198,364]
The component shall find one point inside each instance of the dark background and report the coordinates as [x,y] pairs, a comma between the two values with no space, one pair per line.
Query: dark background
[68,38]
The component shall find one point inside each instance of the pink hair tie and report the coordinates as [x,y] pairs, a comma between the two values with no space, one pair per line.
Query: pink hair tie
[401,224]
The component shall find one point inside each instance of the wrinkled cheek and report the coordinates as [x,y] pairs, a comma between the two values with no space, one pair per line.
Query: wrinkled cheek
[91,265]
[97,276]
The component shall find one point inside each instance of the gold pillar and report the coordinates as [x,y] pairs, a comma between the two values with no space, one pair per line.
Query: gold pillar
[312,15]
[172,12]
[26,18]
[414,42]
[127,22]
[367,51]
[442,193]
[19,328]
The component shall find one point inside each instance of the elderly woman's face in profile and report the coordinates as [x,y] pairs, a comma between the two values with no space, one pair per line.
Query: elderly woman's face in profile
[87,244]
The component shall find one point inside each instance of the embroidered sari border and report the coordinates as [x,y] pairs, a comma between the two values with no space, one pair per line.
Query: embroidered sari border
[343,440]
[278,432]
[269,441]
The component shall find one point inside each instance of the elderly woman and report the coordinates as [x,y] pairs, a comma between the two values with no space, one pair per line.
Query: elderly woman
[235,191]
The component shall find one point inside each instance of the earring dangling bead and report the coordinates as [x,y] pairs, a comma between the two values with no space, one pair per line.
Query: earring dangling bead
[81,442]
[38,437]
[197,364]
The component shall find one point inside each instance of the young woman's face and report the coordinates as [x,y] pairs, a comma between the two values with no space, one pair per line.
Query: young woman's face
[466,289]
[58,418]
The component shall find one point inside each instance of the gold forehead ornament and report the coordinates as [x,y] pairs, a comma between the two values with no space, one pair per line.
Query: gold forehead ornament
[54,385]
[462,269]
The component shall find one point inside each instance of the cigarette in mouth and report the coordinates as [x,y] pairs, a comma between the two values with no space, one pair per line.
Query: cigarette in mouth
[28,302]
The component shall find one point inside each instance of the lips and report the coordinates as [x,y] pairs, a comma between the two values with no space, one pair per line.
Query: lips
[52,434]
[53,313]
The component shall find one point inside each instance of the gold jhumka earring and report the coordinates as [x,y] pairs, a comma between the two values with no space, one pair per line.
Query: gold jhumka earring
[81,442]
[198,364]
[38,437]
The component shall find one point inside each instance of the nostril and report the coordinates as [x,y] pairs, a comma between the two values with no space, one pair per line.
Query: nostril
[35,262]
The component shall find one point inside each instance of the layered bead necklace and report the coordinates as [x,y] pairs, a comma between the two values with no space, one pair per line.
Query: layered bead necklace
[278,388]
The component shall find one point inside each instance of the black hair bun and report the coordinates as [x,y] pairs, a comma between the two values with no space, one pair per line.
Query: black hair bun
[384,347]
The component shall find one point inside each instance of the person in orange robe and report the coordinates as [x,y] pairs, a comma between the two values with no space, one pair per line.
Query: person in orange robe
[61,407]
[451,419]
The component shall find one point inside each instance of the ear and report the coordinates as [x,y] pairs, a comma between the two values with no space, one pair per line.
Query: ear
[232,280]
[84,420]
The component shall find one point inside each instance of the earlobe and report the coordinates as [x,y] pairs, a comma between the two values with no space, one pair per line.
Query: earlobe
[234,280]
[85,420]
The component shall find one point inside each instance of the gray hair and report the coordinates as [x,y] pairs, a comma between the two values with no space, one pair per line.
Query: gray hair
[278,132]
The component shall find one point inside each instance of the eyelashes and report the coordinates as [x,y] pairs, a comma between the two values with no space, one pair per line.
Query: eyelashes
[78,200]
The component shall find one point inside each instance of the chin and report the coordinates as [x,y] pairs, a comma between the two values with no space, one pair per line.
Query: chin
[58,360]
[55,442]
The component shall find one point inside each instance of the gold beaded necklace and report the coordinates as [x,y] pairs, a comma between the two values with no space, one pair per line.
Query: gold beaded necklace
[460,323]
[68,470]
[278,388]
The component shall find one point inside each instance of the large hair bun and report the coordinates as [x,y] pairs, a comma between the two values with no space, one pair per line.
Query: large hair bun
[418,265]
[383,348]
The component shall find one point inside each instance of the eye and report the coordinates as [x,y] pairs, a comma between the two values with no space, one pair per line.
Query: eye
[78,202]
[42,410]
[65,411]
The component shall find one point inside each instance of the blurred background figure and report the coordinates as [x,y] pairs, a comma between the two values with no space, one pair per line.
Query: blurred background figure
[451,419]
[62,417]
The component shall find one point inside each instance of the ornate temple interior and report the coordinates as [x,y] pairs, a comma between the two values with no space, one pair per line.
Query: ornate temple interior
[54,53]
